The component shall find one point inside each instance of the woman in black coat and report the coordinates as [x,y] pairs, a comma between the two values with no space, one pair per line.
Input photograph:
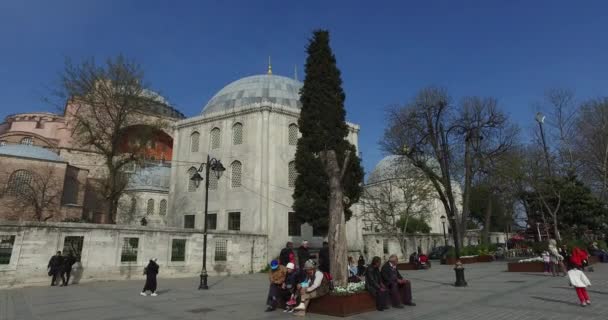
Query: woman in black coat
[374,285]
[150,271]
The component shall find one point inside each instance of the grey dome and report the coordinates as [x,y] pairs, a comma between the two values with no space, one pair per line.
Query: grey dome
[256,89]
[150,179]
[386,169]
[30,152]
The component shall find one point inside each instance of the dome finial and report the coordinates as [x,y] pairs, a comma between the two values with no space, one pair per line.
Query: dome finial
[269,66]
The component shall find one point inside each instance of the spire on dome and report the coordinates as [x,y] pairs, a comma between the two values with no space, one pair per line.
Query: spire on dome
[269,66]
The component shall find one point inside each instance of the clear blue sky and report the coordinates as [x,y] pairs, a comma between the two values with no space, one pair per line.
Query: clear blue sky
[512,50]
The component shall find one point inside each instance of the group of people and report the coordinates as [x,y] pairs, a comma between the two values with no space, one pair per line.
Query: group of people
[420,260]
[296,282]
[60,267]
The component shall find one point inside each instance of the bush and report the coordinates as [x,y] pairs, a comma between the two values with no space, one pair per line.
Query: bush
[602,244]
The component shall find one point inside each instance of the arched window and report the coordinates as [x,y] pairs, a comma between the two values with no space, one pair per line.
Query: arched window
[292,174]
[19,183]
[191,183]
[237,134]
[27,141]
[293,134]
[236,167]
[162,208]
[194,141]
[150,207]
[215,138]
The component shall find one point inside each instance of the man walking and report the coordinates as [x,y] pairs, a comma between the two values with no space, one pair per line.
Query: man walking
[54,268]
[399,289]
[68,262]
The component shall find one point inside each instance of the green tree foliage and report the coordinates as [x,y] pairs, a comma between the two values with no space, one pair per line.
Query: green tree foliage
[500,213]
[414,225]
[323,127]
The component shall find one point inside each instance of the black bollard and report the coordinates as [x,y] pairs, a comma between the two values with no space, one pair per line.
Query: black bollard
[460,281]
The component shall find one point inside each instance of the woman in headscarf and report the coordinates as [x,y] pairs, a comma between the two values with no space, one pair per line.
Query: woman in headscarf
[150,271]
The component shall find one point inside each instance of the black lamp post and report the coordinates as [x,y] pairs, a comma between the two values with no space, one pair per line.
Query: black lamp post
[216,166]
[445,237]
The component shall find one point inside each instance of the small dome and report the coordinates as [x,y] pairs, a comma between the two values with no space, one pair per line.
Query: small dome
[30,152]
[387,168]
[150,179]
[255,89]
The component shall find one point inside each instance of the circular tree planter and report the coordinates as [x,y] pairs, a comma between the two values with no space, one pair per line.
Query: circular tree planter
[343,305]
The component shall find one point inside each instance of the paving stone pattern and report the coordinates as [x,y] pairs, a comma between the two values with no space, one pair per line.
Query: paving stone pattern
[491,294]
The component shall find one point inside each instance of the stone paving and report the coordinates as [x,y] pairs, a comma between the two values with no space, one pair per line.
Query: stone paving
[491,294]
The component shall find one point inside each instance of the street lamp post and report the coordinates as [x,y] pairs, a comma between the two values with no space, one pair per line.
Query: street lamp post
[445,237]
[216,166]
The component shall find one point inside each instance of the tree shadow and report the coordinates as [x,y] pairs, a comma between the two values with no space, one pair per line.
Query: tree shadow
[555,300]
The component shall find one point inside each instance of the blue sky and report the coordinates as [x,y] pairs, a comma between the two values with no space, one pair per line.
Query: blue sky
[387,50]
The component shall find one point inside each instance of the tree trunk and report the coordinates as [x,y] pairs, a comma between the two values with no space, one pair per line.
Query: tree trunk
[468,181]
[338,254]
[487,222]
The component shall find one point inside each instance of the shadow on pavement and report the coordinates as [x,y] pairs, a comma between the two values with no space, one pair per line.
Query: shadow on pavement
[555,300]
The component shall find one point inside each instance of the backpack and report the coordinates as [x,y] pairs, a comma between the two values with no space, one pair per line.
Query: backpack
[330,280]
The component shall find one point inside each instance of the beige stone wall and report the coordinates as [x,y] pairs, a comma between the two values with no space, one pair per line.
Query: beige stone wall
[35,243]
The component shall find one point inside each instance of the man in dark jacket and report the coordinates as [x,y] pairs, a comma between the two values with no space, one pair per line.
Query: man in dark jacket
[399,289]
[374,285]
[286,256]
[324,257]
[303,254]
[68,262]
[151,272]
[54,268]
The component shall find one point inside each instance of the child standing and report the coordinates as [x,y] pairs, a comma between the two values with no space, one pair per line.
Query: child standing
[547,261]
[580,282]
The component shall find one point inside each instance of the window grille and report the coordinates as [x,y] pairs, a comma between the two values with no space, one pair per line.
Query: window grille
[221,250]
[234,221]
[19,183]
[293,134]
[194,141]
[129,250]
[150,207]
[294,226]
[162,208]
[73,244]
[133,208]
[236,174]
[215,138]
[212,181]
[178,250]
[27,141]
[237,134]
[6,248]
[191,183]
[211,221]
[292,174]
[189,221]
[385,246]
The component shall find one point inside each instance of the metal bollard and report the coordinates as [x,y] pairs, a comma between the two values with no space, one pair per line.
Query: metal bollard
[459,269]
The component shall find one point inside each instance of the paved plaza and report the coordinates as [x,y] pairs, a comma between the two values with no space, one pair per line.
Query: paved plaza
[492,294]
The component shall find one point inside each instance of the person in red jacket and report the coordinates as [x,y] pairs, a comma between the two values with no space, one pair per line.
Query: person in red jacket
[579,257]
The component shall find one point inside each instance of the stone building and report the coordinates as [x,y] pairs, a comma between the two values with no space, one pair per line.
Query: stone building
[250,125]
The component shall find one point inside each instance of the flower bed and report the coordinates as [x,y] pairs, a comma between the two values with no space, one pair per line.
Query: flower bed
[526,266]
[343,304]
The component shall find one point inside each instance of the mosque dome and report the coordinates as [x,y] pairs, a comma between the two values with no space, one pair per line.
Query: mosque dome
[386,169]
[256,89]
[155,178]
[30,152]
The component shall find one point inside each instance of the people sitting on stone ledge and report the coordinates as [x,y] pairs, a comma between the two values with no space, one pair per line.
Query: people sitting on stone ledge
[292,294]
[423,261]
[314,286]
[375,286]
[303,254]
[598,252]
[352,271]
[277,276]
[286,256]
[399,289]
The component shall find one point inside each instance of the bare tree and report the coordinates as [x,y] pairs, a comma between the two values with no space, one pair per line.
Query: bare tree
[592,144]
[37,190]
[449,144]
[402,194]
[106,101]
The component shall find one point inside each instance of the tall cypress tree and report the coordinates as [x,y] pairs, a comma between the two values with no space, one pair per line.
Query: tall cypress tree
[327,164]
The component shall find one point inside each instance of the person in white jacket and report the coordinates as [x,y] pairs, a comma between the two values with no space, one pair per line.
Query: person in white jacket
[580,282]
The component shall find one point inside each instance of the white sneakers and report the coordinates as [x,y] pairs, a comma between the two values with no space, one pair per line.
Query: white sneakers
[301,306]
[154,294]
[143,294]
